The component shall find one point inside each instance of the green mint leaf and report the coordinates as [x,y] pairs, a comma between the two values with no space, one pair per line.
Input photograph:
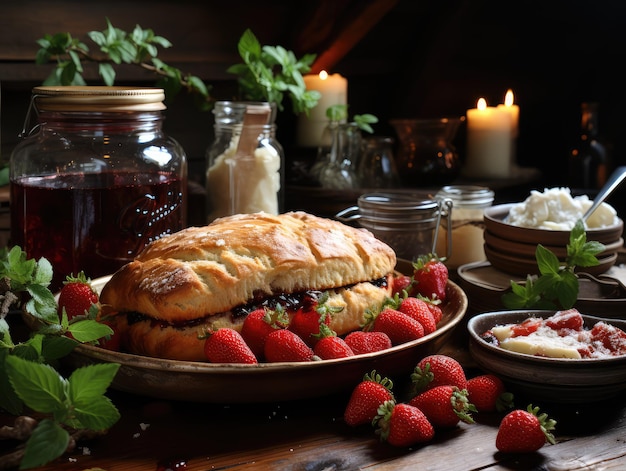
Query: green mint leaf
[107,72]
[89,382]
[9,401]
[39,386]
[55,347]
[98,413]
[6,342]
[546,260]
[48,441]
[89,330]
[567,289]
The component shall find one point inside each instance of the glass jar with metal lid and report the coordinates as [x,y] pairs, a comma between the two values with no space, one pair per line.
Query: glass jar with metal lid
[409,222]
[96,179]
[469,203]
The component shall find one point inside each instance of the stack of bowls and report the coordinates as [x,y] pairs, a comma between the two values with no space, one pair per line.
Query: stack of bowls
[511,249]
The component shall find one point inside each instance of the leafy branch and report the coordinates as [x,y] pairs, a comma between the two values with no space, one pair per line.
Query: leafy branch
[268,73]
[140,48]
[556,287]
[70,408]
[339,113]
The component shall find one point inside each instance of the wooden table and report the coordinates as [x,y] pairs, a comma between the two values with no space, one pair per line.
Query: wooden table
[157,435]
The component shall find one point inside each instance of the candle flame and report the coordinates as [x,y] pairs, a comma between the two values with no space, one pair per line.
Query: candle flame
[482,104]
[323,75]
[508,98]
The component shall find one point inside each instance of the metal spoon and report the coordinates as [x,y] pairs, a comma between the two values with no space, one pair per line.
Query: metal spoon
[612,183]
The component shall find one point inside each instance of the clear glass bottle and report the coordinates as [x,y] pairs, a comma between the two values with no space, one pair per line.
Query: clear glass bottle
[245,163]
[96,179]
[467,244]
[588,161]
[338,156]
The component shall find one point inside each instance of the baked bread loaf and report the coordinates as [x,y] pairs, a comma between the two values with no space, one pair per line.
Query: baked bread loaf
[209,277]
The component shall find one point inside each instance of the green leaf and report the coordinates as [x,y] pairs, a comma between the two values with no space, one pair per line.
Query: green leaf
[546,260]
[9,401]
[55,347]
[39,386]
[88,330]
[107,72]
[48,441]
[97,414]
[89,382]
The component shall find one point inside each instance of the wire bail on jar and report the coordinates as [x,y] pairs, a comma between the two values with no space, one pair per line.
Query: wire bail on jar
[407,221]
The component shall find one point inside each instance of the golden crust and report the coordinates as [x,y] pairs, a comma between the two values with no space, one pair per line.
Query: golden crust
[202,271]
[161,340]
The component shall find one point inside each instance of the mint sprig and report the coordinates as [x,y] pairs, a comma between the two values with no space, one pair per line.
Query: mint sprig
[556,286]
[76,406]
[269,73]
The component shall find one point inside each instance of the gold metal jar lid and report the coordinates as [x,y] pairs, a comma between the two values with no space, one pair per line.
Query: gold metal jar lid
[98,98]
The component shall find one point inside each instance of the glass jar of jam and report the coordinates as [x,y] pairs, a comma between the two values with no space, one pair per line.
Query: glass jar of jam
[96,179]
[245,172]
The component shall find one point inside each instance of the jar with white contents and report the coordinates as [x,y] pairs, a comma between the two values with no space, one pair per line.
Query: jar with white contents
[468,203]
[245,172]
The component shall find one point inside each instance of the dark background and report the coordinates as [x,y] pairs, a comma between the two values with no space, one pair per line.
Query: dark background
[420,59]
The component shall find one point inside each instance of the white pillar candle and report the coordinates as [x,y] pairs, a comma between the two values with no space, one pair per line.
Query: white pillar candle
[513,110]
[488,142]
[334,91]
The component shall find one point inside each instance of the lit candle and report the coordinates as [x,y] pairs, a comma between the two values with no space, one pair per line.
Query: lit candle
[334,91]
[489,149]
[513,110]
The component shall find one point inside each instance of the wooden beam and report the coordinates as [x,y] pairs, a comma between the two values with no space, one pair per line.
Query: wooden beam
[351,34]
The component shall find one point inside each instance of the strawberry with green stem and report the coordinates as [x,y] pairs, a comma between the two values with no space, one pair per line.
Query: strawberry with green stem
[402,425]
[430,277]
[366,398]
[307,320]
[488,393]
[525,431]
[445,406]
[77,296]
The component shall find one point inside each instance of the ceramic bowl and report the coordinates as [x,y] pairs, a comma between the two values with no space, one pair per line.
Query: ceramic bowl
[511,249]
[267,382]
[547,379]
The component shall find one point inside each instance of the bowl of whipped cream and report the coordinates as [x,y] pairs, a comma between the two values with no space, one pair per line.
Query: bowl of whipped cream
[513,231]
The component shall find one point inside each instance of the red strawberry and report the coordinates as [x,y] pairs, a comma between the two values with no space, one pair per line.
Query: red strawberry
[437,370]
[445,406]
[431,277]
[402,424]
[226,345]
[435,309]
[366,398]
[367,342]
[488,393]
[77,296]
[398,326]
[285,345]
[329,346]
[401,283]
[522,431]
[306,321]
[418,310]
[258,325]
